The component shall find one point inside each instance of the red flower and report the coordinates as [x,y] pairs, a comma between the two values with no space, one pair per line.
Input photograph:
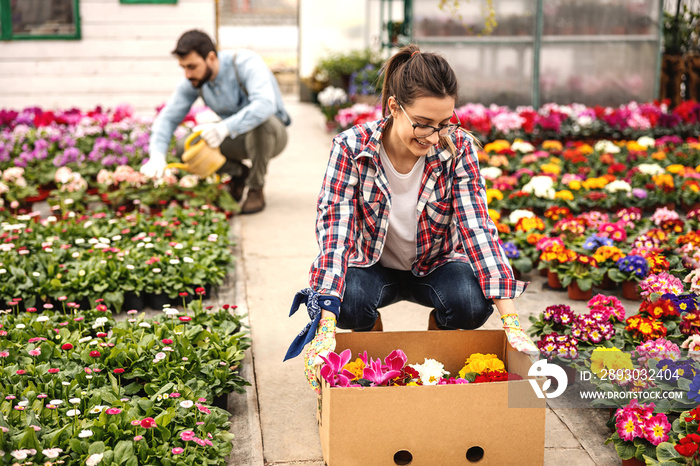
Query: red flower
[167,341]
[119,370]
[687,449]
[148,423]
[101,308]
[21,372]
[101,335]
[185,318]
[66,346]
[31,309]
[200,291]
[95,354]
[183,293]
[53,370]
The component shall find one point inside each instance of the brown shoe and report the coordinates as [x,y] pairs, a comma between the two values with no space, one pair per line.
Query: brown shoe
[237,183]
[254,202]
[432,322]
[378,326]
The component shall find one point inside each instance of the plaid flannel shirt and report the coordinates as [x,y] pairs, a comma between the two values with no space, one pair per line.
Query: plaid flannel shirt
[453,222]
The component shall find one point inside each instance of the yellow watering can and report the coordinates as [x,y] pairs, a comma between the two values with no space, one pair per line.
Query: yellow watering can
[199,158]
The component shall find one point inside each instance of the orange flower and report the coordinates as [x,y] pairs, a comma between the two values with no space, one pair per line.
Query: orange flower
[552,145]
[663,181]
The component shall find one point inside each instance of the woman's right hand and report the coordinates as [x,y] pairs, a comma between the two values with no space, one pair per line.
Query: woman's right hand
[322,344]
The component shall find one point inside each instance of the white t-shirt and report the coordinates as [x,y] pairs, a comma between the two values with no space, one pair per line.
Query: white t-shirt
[400,246]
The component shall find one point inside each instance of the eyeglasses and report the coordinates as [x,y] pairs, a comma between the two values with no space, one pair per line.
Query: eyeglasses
[424,131]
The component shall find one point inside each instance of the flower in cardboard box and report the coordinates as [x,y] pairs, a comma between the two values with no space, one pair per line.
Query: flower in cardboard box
[333,370]
[356,368]
[480,363]
[430,372]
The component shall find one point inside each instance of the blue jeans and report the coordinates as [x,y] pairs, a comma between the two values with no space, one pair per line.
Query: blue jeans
[452,289]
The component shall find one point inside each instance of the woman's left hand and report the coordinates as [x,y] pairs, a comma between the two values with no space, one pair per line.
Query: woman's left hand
[517,338]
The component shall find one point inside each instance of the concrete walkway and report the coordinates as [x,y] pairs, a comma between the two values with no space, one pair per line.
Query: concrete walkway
[275,421]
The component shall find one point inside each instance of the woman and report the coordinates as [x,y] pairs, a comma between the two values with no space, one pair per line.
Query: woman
[402,215]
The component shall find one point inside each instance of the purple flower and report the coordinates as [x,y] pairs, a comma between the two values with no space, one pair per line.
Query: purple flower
[640,193]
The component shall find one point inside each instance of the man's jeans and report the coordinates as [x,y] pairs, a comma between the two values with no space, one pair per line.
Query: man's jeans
[259,145]
[452,289]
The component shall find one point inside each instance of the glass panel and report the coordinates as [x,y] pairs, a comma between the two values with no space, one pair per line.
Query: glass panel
[514,18]
[598,73]
[491,74]
[591,17]
[43,17]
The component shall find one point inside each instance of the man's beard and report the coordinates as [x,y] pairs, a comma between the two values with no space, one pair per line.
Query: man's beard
[199,83]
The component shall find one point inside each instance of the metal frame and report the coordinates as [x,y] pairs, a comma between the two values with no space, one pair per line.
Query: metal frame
[6,24]
[537,39]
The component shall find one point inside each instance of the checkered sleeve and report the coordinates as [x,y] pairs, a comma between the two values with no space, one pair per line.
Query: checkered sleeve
[335,216]
[477,231]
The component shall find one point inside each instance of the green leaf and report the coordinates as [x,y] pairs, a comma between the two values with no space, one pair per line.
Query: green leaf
[96,447]
[625,450]
[123,451]
[665,452]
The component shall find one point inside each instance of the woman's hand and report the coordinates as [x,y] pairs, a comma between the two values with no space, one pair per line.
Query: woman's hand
[323,343]
[517,338]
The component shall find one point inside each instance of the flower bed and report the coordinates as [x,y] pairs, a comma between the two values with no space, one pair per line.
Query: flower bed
[69,157]
[79,257]
[561,122]
[80,388]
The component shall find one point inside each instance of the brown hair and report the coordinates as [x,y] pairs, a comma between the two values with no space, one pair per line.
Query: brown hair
[194,41]
[411,74]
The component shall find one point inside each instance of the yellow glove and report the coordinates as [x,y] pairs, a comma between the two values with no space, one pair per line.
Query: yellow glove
[322,344]
[516,336]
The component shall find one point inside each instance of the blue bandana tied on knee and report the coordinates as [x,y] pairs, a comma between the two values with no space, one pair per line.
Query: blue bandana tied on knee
[311,299]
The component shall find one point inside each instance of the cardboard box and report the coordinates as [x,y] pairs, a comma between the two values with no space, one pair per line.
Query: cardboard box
[494,423]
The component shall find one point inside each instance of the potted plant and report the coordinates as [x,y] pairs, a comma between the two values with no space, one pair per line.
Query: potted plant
[638,431]
[630,271]
[579,275]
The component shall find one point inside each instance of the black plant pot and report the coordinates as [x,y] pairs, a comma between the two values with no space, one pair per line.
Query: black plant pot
[221,401]
[157,301]
[133,301]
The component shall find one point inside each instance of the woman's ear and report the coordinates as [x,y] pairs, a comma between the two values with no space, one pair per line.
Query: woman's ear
[393,106]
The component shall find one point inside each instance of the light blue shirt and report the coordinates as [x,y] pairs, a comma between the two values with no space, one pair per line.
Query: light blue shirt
[226,98]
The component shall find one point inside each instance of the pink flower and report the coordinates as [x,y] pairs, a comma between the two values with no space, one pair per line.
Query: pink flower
[177,450]
[148,422]
[113,411]
[35,352]
[53,370]
[628,428]
[203,408]
[135,422]
[656,429]
[138,437]
[4,354]
[187,436]
[167,341]
[175,395]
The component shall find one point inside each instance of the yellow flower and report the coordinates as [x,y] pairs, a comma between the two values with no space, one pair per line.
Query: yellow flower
[609,359]
[552,145]
[480,363]
[575,185]
[356,367]
[564,194]
[495,216]
[497,145]
[634,145]
[595,183]
[492,194]
[551,168]
[676,168]
[663,180]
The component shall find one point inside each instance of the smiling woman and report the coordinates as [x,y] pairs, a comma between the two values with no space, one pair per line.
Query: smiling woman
[402,215]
